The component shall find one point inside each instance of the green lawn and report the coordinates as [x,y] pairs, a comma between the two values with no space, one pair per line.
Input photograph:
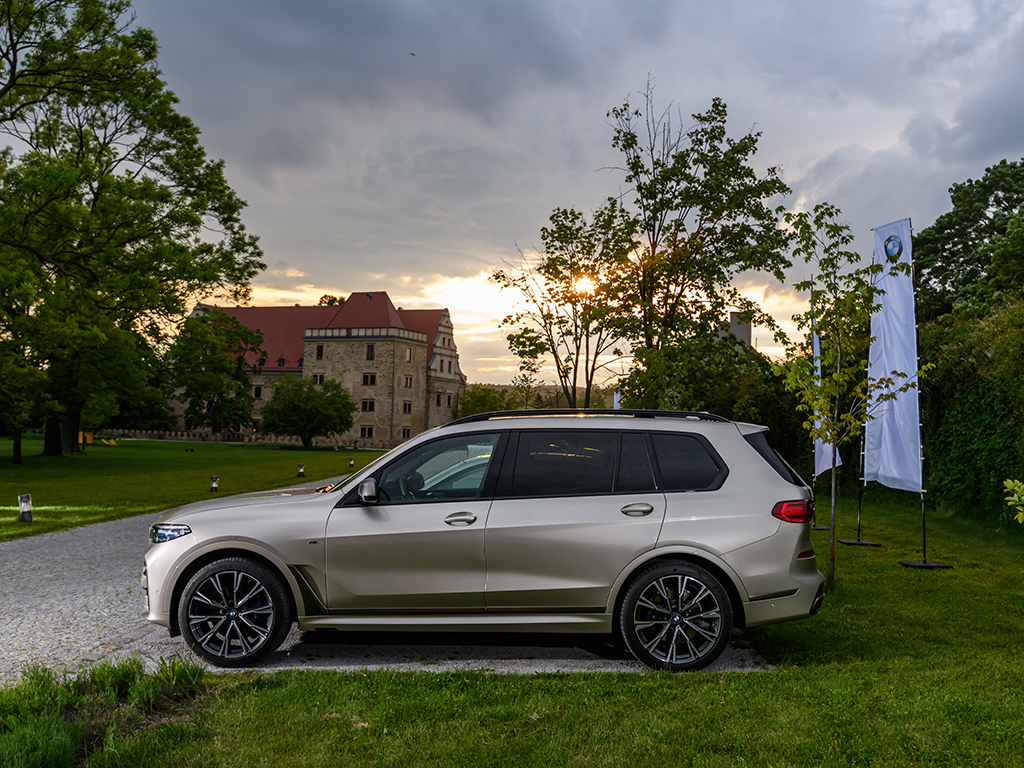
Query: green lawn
[901,668]
[107,483]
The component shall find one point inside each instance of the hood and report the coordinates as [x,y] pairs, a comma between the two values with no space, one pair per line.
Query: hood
[253,501]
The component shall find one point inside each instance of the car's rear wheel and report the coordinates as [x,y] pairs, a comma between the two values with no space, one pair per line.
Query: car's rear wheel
[676,616]
[234,612]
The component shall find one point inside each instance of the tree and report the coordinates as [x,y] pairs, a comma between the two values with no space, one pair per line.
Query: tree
[478,398]
[956,253]
[208,369]
[699,216]
[329,300]
[843,298]
[112,216]
[52,48]
[303,408]
[566,312]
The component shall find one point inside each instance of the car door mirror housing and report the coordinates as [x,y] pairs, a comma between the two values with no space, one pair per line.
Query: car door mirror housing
[367,491]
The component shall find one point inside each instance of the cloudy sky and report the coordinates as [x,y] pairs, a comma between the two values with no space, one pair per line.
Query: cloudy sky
[410,145]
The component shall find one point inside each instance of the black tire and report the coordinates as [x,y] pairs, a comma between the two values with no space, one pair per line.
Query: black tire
[676,616]
[234,612]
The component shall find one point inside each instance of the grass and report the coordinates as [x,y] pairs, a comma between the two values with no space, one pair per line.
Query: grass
[109,483]
[109,715]
[902,667]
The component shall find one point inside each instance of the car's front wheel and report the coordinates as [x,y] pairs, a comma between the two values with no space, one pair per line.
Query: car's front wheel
[676,616]
[234,612]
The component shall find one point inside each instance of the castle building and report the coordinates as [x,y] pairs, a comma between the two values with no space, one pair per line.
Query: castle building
[401,366]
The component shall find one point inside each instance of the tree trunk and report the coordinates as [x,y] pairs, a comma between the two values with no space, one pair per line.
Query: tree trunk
[51,436]
[69,428]
[17,446]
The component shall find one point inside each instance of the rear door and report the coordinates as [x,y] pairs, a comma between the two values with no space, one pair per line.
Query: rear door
[572,509]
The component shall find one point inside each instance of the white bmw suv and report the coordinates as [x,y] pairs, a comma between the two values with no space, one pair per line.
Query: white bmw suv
[667,528]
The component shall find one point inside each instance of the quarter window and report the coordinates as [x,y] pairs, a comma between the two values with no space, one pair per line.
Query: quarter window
[687,463]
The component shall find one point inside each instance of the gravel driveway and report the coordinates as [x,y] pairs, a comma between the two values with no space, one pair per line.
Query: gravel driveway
[73,597]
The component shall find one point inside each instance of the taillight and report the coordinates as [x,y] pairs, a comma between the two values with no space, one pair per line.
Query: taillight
[794,511]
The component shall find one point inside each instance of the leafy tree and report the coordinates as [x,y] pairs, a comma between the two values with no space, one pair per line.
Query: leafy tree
[112,216]
[957,251]
[478,398]
[565,311]
[329,300]
[208,369]
[53,48]
[843,298]
[303,408]
[699,215]
[972,404]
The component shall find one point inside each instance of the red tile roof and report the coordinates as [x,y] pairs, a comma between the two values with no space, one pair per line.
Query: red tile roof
[283,330]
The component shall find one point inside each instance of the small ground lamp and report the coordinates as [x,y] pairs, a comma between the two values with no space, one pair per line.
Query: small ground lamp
[25,504]
[213,483]
[302,470]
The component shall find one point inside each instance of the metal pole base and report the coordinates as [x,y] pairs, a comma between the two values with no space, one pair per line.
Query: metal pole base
[929,566]
[859,543]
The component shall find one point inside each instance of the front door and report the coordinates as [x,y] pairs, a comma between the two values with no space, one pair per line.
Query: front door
[421,546]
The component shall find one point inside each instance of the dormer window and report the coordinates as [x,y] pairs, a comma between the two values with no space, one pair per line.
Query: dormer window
[300,361]
[261,362]
[280,363]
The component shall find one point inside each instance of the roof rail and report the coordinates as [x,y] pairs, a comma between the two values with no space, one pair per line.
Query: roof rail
[638,414]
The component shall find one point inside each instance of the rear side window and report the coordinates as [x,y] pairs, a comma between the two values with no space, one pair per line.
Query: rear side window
[565,463]
[688,463]
[635,471]
[759,442]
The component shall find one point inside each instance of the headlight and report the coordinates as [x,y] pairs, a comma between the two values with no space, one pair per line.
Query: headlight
[167,531]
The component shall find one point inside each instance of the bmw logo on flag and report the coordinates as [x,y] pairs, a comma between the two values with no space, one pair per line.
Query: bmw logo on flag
[893,247]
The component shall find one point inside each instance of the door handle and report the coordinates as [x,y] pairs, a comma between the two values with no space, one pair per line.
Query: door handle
[640,509]
[459,519]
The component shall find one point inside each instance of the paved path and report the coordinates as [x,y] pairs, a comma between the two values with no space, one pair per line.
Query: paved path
[74,597]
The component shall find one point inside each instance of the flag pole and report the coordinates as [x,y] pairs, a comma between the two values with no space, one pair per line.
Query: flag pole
[923,562]
[859,542]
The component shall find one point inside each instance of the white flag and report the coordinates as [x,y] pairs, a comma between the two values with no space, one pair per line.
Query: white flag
[822,450]
[892,439]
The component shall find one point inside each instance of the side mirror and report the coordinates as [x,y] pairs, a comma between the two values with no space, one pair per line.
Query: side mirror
[367,491]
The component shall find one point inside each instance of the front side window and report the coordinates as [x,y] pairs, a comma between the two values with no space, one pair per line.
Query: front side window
[451,468]
[565,463]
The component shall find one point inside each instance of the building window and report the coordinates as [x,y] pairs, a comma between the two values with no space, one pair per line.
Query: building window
[366,431]
[369,379]
[280,363]
[301,359]
[367,406]
[449,366]
[439,398]
[319,351]
[370,355]
[257,392]
[261,362]
[449,399]
[318,378]
[408,381]
[406,407]
[406,433]
[408,354]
